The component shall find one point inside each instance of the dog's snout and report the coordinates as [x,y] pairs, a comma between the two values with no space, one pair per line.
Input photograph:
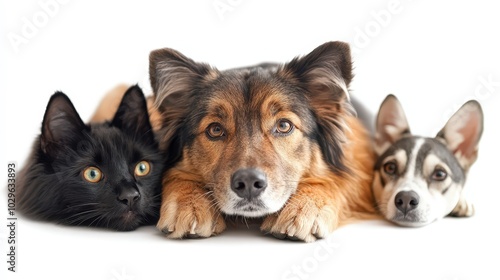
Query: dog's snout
[248,183]
[406,201]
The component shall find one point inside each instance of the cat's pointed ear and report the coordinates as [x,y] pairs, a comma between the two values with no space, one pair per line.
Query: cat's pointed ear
[61,124]
[132,116]
[391,124]
[462,133]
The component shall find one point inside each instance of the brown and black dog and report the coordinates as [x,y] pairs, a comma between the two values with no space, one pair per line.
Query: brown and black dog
[275,141]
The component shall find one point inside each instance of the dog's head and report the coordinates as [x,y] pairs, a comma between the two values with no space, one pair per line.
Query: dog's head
[419,180]
[250,134]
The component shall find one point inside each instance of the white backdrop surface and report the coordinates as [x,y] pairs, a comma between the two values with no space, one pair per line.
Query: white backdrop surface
[434,55]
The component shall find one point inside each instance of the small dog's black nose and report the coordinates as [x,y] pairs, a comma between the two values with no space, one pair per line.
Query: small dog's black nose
[129,196]
[406,201]
[248,183]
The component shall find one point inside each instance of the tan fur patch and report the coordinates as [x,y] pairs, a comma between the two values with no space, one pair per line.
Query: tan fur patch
[187,208]
[109,104]
[111,100]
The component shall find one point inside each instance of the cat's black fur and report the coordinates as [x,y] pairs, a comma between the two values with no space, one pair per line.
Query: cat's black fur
[52,185]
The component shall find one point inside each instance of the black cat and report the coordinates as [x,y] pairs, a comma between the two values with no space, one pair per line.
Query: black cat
[105,175]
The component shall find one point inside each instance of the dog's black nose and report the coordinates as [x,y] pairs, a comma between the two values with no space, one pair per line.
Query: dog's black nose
[406,201]
[248,183]
[129,196]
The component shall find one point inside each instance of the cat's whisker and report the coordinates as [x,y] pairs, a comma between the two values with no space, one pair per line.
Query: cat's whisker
[84,220]
[81,219]
[82,213]
[97,219]
[107,224]
[82,205]
[77,216]
[78,220]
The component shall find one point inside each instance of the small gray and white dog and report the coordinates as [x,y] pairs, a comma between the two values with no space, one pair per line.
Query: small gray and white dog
[419,180]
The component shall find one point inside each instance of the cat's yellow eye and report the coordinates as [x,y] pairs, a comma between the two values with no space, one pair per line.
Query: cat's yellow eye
[92,174]
[142,168]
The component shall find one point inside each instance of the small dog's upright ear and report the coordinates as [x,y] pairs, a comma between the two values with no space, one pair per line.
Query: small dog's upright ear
[61,124]
[391,124]
[132,116]
[463,132]
[325,73]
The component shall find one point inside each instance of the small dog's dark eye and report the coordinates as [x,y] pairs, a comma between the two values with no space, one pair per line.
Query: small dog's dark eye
[439,175]
[284,127]
[390,168]
[215,131]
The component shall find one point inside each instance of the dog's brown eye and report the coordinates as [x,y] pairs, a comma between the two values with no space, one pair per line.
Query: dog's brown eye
[439,175]
[390,168]
[215,131]
[284,127]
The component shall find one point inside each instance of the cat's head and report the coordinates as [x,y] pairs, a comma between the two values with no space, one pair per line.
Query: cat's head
[106,175]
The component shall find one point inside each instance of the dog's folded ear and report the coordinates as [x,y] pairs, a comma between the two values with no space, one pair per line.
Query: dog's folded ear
[391,124]
[132,116]
[462,133]
[61,124]
[325,74]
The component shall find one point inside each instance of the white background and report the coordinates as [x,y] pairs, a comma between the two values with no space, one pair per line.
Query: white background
[434,55]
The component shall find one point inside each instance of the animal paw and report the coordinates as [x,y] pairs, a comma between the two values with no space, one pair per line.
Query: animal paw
[190,215]
[301,219]
[463,209]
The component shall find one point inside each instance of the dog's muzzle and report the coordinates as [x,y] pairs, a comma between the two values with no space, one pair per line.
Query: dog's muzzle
[248,183]
[406,201]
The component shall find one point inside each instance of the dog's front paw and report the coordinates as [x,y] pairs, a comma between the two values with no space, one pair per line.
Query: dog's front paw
[189,214]
[463,209]
[301,219]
